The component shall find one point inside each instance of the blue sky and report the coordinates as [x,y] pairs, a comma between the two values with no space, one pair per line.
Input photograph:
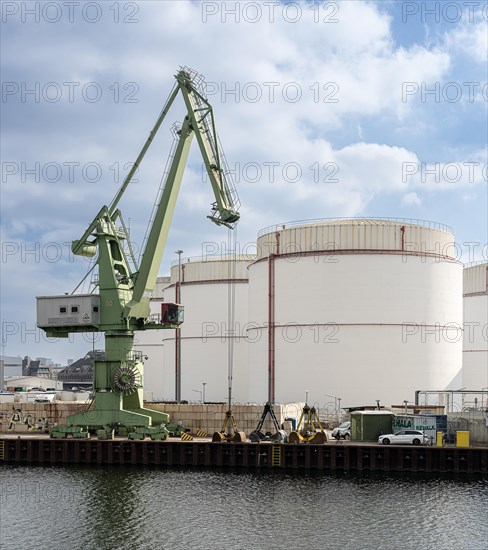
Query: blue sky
[303,93]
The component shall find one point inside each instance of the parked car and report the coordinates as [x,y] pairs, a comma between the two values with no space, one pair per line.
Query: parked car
[343,431]
[404,437]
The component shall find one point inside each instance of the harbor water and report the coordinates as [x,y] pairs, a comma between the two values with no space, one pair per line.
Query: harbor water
[147,508]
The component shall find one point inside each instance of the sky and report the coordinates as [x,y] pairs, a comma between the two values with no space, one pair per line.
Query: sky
[324,109]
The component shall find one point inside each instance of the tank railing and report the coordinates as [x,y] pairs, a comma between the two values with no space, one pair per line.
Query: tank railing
[216,258]
[359,221]
[477,262]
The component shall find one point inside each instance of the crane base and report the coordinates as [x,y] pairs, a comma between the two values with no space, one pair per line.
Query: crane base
[97,419]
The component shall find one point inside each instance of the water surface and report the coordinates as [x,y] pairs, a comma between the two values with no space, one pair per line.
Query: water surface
[70,508]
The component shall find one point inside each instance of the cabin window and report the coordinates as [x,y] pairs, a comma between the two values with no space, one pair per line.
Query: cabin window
[74,309]
[63,309]
[95,309]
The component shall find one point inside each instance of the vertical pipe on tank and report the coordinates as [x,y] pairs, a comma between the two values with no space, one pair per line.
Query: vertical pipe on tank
[177,348]
[271,331]
[271,321]
[177,335]
[181,278]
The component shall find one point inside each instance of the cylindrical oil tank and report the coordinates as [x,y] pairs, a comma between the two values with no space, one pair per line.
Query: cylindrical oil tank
[475,348]
[208,287]
[150,343]
[354,309]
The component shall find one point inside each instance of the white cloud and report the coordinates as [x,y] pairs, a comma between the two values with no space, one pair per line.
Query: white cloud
[448,176]
[356,61]
[411,199]
[471,39]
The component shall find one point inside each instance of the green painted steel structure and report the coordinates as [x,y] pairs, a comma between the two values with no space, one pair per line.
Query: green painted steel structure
[125,293]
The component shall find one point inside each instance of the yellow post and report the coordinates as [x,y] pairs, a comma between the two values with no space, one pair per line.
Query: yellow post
[439,439]
[462,439]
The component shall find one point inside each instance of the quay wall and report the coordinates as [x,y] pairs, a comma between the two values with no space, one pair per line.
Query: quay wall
[234,456]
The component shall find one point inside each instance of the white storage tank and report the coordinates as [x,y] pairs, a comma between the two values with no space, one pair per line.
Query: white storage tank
[362,309]
[150,342]
[475,348]
[205,287]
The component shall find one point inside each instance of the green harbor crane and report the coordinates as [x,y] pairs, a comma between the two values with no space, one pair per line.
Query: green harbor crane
[125,287]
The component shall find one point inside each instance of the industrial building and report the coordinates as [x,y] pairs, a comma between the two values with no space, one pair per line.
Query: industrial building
[363,309]
[10,366]
[27,383]
[79,374]
[26,372]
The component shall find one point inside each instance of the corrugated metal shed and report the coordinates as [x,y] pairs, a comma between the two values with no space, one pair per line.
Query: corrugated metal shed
[369,425]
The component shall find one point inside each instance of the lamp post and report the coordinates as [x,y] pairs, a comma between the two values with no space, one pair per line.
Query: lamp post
[178,337]
[203,391]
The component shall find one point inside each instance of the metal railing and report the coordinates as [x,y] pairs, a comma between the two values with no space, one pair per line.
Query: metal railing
[216,258]
[474,264]
[357,221]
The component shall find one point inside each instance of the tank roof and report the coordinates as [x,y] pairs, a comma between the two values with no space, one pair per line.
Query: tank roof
[216,258]
[356,221]
[479,263]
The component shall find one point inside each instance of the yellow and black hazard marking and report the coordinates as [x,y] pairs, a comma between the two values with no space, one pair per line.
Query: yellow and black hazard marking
[202,433]
[186,437]
[2,450]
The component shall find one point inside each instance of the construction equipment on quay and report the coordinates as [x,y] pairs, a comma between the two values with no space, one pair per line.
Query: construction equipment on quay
[279,435]
[309,428]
